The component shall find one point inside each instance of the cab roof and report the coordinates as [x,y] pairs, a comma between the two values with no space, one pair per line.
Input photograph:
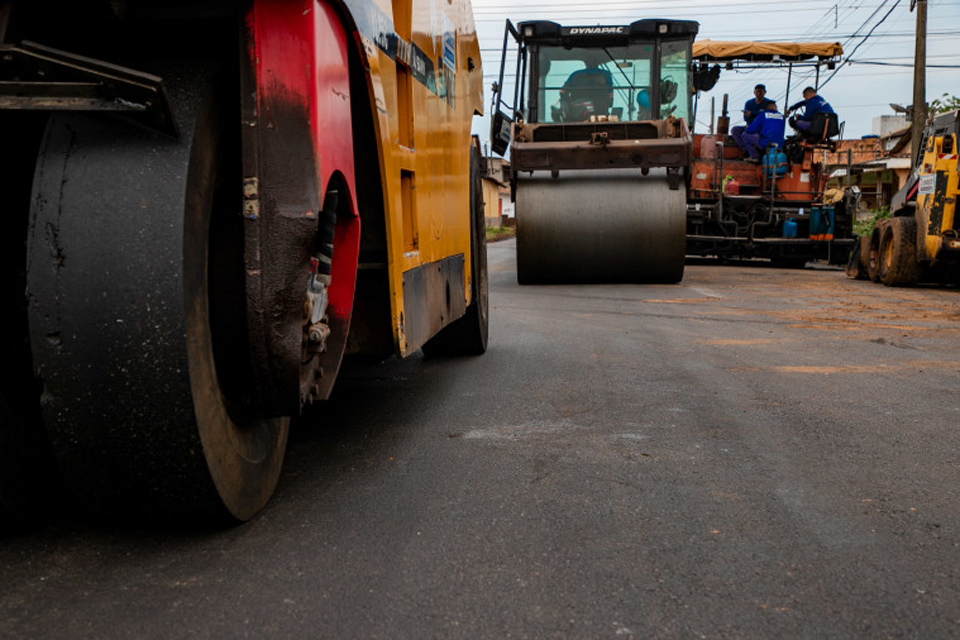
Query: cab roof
[546,32]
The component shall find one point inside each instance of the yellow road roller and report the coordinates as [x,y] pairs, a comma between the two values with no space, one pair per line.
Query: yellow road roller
[208,205]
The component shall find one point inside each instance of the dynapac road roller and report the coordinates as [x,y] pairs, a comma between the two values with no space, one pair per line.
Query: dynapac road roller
[207,204]
[600,149]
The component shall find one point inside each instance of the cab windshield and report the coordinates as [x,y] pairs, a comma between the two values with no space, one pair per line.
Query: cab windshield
[575,84]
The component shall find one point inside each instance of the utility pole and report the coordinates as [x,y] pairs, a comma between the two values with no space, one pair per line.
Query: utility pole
[919,78]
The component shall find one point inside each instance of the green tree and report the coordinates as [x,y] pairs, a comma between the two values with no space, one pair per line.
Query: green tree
[944,103]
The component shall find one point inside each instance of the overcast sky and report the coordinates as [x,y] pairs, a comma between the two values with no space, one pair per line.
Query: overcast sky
[878,38]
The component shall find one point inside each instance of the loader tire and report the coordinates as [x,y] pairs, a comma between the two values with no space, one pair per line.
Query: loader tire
[859,259]
[873,252]
[898,253]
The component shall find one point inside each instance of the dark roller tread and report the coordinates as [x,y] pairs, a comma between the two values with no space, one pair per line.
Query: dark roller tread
[119,278]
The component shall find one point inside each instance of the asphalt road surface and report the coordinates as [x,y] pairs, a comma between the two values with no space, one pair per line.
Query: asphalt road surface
[754,453]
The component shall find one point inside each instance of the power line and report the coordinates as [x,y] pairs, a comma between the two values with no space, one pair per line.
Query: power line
[864,27]
[902,64]
[889,34]
[807,77]
[842,64]
[676,6]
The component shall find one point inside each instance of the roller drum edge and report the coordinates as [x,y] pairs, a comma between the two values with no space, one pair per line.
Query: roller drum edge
[125,244]
[595,226]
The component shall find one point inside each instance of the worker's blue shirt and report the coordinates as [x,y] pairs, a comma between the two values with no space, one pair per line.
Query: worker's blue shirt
[770,125]
[752,108]
[813,106]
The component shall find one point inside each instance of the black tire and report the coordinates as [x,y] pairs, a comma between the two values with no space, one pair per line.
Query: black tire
[898,253]
[131,262]
[469,334]
[864,251]
[873,252]
[859,257]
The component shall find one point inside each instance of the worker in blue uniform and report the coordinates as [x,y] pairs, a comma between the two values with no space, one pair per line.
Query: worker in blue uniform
[818,119]
[755,105]
[767,128]
[588,91]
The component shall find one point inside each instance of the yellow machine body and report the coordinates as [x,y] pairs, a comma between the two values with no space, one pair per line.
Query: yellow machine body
[298,180]
[421,131]
[937,198]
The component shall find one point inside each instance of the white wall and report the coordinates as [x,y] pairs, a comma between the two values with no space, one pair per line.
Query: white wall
[884,125]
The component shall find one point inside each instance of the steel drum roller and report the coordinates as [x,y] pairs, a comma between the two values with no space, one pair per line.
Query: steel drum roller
[609,225]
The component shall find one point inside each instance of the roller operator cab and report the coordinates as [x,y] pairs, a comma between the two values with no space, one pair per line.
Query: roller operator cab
[208,205]
[596,121]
